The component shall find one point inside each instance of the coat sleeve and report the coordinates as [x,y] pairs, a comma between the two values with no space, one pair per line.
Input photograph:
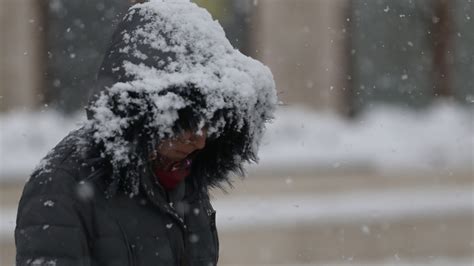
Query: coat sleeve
[50,227]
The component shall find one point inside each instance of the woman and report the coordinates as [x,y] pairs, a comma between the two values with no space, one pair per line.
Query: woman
[176,111]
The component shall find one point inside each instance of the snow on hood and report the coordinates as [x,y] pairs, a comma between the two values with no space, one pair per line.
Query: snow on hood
[163,57]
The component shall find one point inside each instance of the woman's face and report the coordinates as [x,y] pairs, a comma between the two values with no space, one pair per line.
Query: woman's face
[182,145]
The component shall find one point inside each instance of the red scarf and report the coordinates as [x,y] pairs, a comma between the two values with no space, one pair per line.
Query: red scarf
[170,179]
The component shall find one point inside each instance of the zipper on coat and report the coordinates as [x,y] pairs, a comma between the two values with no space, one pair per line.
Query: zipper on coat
[215,237]
[131,259]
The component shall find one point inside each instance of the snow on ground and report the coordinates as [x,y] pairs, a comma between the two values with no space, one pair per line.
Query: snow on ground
[385,138]
[363,207]
[236,213]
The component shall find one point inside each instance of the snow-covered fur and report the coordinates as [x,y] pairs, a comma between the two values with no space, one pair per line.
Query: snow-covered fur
[170,68]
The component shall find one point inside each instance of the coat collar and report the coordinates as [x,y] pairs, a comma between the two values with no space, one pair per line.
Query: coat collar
[158,196]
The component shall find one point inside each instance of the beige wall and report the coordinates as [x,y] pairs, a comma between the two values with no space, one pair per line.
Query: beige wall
[303,42]
[20,48]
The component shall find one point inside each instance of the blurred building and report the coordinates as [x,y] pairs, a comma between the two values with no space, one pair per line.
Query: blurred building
[304,43]
[21,47]
[411,52]
[338,55]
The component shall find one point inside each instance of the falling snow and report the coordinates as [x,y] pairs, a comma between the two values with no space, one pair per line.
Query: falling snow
[48,203]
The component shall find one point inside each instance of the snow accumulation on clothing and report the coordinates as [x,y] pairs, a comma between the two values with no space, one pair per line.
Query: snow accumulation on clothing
[176,44]
[387,138]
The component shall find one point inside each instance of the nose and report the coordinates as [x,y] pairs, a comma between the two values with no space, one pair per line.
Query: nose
[199,141]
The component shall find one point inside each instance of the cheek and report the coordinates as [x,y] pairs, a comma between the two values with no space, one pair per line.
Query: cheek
[182,147]
[168,147]
[164,146]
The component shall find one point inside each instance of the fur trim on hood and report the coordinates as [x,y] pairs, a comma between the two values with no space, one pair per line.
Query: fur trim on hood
[170,67]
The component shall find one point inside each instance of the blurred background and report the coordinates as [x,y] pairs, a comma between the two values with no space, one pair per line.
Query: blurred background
[368,161]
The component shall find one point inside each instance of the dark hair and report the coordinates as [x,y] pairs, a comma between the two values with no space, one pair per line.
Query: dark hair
[224,152]
[189,117]
[214,162]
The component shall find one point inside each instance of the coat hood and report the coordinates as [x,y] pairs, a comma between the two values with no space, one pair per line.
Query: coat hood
[170,67]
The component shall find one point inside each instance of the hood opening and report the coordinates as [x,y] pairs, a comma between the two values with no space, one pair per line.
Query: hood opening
[169,68]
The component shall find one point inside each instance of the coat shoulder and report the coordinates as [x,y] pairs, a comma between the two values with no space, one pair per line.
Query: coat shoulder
[63,170]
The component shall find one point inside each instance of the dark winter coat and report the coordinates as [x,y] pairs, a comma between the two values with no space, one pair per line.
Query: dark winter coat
[93,200]
[64,217]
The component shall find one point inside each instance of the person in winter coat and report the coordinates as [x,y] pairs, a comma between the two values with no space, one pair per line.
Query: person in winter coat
[176,111]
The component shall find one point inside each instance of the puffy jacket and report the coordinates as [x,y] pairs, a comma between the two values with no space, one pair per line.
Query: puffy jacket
[65,218]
